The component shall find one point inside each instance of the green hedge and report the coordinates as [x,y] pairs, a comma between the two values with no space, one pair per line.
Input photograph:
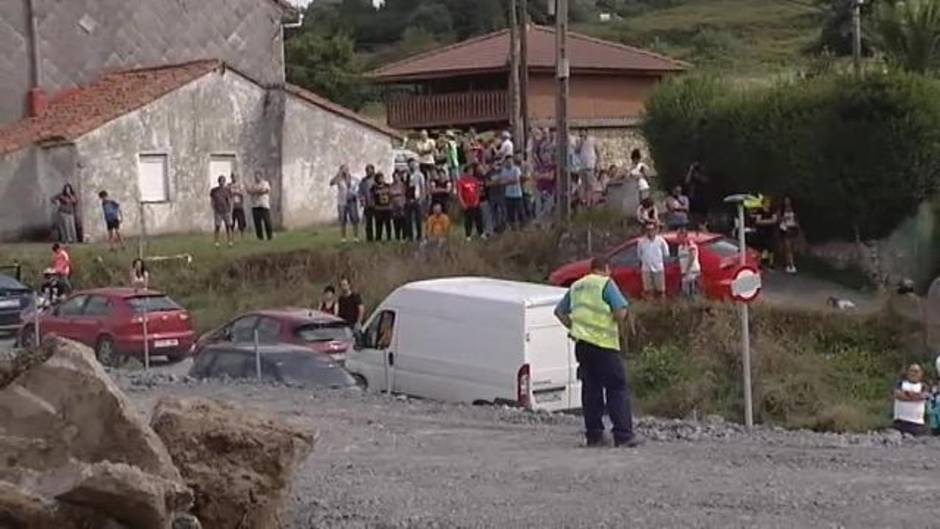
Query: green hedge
[856,155]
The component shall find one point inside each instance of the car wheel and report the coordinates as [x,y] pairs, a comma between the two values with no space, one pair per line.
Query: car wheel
[106,354]
[361,381]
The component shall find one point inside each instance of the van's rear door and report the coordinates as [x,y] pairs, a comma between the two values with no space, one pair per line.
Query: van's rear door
[550,359]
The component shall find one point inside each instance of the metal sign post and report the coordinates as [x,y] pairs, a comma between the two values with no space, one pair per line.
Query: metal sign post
[744,289]
[257,355]
[143,323]
[36,332]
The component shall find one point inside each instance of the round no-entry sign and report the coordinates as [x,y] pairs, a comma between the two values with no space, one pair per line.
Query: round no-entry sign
[746,284]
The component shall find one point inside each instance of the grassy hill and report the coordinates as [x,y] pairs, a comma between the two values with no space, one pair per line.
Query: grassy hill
[740,37]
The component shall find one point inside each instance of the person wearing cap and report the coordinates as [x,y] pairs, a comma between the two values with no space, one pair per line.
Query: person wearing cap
[593,310]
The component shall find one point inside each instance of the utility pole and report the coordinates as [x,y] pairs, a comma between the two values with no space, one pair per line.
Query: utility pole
[524,75]
[857,36]
[515,119]
[561,110]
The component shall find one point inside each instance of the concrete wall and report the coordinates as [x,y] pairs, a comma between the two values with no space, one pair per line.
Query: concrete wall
[592,96]
[133,33]
[316,143]
[221,113]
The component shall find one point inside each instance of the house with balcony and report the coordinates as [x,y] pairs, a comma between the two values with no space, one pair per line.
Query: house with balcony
[467,84]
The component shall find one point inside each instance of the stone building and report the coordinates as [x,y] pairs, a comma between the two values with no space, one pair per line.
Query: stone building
[156,123]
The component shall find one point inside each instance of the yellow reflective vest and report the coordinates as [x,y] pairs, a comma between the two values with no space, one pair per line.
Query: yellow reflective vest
[591,317]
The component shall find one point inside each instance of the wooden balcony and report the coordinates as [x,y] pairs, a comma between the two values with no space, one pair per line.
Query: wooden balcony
[444,110]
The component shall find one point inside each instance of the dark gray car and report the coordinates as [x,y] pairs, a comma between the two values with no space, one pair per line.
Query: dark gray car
[287,364]
[15,299]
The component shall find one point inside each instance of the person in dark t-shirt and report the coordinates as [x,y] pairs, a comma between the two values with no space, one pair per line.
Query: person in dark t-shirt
[351,308]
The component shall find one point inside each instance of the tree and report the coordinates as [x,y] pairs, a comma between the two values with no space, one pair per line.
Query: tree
[908,34]
[835,36]
[327,65]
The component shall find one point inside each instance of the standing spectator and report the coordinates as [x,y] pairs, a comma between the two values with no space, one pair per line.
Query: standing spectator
[640,172]
[66,206]
[438,225]
[789,231]
[397,192]
[677,209]
[427,150]
[62,265]
[415,192]
[496,190]
[261,207]
[765,224]
[696,183]
[350,307]
[112,220]
[910,397]
[587,153]
[382,199]
[220,197]
[239,221]
[653,251]
[368,202]
[505,147]
[328,302]
[529,187]
[511,177]
[440,188]
[469,187]
[140,276]
[347,201]
[451,156]
[647,213]
[481,173]
[689,263]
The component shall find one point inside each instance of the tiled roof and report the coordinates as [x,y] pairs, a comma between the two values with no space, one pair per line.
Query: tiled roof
[80,110]
[491,53]
[340,110]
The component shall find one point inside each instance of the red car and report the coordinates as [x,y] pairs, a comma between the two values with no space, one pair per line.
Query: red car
[111,321]
[718,255]
[315,330]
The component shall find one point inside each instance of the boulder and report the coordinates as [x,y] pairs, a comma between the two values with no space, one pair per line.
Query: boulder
[58,404]
[239,463]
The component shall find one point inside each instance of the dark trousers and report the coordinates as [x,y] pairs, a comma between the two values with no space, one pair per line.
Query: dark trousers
[383,221]
[262,218]
[414,218]
[515,212]
[402,227]
[499,215]
[472,217]
[909,428]
[368,215]
[238,219]
[603,387]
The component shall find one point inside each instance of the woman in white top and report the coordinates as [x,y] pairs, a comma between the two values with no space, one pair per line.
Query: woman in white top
[640,173]
[910,398]
[689,263]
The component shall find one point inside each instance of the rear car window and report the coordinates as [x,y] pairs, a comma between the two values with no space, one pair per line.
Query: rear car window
[152,304]
[319,332]
[723,246]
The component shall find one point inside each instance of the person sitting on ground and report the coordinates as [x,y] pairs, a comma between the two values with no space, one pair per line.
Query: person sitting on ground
[647,212]
[910,398]
[677,209]
[112,220]
[653,251]
[52,288]
[328,302]
[689,264]
[140,276]
[438,225]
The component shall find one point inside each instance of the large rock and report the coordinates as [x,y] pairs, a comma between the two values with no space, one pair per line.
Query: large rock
[23,509]
[61,405]
[238,463]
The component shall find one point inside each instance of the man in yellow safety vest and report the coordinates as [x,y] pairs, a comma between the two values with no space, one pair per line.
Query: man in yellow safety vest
[592,310]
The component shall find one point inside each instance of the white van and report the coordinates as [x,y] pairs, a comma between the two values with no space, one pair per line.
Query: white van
[470,339]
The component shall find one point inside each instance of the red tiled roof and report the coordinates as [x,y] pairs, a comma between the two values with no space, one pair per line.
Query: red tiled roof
[77,111]
[491,53]
[330,106]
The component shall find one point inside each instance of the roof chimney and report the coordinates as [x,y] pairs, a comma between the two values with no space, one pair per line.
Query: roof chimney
[38,101]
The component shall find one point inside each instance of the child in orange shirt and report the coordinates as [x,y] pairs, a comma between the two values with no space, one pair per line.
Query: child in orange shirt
[437,225]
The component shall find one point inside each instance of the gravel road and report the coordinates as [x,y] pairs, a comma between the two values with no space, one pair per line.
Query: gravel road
[385,462]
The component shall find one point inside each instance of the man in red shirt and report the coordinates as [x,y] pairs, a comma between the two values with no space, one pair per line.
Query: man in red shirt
[469,186]
[62,264]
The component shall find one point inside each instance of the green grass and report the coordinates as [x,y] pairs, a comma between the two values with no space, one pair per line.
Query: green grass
[738,37]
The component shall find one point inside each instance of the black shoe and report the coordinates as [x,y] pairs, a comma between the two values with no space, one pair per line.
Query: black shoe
[596,442]
[631,442]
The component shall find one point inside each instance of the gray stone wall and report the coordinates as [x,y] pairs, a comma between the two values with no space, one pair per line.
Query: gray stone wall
[316,143]
[81,38]
[221,113]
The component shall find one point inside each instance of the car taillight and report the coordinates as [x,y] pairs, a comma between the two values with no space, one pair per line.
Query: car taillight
[524,386]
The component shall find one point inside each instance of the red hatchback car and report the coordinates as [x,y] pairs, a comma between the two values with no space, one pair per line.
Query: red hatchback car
[315,330]
[718,255]
[111,320]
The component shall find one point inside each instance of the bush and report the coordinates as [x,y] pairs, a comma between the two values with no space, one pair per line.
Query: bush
[856,155]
